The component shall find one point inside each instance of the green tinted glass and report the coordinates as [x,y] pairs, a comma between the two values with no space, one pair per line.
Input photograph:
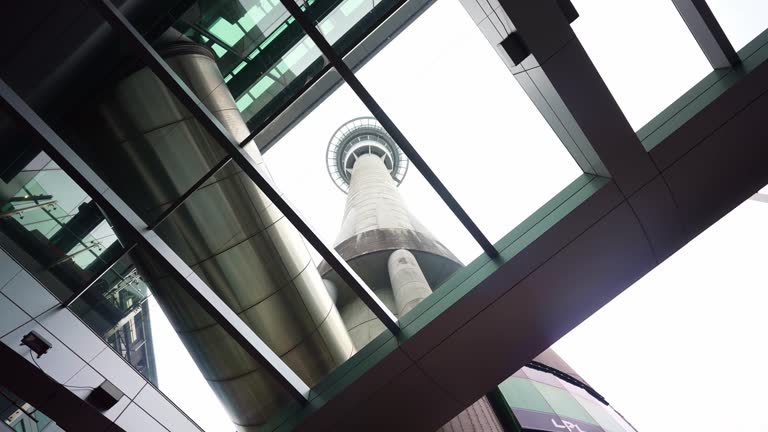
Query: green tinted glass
[564,403]
[66,238]
[264,54]
[599,412]
[521,393]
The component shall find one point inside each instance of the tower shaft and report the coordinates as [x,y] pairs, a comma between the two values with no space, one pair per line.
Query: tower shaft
[373,201]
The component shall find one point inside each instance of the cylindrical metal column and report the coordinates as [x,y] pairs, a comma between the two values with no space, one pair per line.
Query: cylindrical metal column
[232,236]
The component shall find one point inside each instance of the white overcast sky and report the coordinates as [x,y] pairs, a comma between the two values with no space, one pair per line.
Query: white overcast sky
[683,348]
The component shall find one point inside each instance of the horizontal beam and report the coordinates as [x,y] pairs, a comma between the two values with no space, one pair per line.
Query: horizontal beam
[349,77]
[707,31]
[212,125]
[96,188]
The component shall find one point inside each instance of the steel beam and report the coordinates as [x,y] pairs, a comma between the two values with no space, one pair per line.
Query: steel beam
[212,125]
[349,77]
[707,32]
[136,229]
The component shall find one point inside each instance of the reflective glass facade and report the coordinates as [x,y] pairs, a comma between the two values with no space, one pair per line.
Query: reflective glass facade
[23,417]
[54,228]
[534,400]
[266,59]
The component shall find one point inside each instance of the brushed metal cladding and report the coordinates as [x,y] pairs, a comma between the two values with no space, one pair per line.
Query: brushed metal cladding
[229,233]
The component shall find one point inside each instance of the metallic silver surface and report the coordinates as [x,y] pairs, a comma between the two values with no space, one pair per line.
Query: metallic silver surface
[228,232]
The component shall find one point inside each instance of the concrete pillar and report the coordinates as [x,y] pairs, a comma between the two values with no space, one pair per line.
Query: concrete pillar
[409,286]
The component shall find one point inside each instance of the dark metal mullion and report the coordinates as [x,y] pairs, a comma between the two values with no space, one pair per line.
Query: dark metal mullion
[242,159]
[192,189]
[108,200]
[96,278]
[349,77]
[708,33]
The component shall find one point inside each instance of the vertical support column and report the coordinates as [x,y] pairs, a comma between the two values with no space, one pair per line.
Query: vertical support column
[707,32]
[409,286]
[566,87]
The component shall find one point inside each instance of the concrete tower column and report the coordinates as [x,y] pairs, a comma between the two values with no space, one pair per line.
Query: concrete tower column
[386,245]
[373,201]
[409,286]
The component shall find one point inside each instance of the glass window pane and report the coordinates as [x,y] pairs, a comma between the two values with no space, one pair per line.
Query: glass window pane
[521,393]
[644,52]
[148,318]
[21,416]
[601,414]
[161,132]
[741,20]
[50,225]
[115,308]
[262,51]
[463,111]
[563,403]
[345,24]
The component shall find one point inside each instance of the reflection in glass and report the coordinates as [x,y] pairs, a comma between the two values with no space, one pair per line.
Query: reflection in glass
[227,231]
[23,417]
[52,227]
[548,403]
[346,20]
[263,54]
[115,307]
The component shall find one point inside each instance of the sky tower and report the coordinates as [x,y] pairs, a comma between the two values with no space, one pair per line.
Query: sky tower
[380,239]
[384,243]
